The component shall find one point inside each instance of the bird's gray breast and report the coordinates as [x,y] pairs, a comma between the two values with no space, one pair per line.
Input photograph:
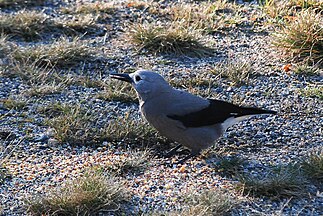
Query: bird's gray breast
[155,113]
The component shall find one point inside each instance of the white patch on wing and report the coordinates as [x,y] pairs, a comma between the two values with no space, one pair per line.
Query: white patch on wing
[233,120]
[233,114]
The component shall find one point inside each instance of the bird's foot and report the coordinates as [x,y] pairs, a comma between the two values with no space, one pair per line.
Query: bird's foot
[173,151]
[182,161]
[191,155]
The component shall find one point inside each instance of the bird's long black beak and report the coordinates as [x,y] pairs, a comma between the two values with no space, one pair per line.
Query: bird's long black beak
[123,77]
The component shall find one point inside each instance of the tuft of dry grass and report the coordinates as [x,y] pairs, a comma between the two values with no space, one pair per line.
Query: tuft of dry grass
[54,109]
[18,3]
[82,23]
[312,165]
[200,84]
[78,126]
[86,195]
[134,161]
[189,80]
[304,69]
[5,152]
[131,130]
[282,181]
[26,24]
[85,17]
[46,79]
[117,91]
[286,9]
[13,103]
[43,90]
[235,70]
[61,53]
[85,81]
[172,39]
[30,72]
[312,91]
[208,16]
[302,37]
[4,45]
[230,165]
[31,25]
[75,126]
[209,202]
[88,8]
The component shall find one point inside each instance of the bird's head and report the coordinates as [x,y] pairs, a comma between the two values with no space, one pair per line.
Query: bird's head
[146,83]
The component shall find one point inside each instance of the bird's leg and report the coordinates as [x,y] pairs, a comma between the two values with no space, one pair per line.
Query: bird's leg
[173,151]
[185,151]
[192,154]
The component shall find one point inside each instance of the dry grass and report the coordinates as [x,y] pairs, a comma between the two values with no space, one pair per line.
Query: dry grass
[282,181]
[118,91]
[312,91]
[302,38]
[236,71]
[3,171]
[62,53]
[303,69]
[13,103]
[210,202]
[189,80]
[5,46]
[30,72]
[171,39]
[19,3]
[276,9]
[312,165]
[86,15]
[83,23]
[89,8]
[46,79]
[77,126]
[54,109]
[132,130]
[6,150]
[85,81]
[87,195]
[26,24]
[32,25]
[43,90]
[286,9]
[134,161]
[207,16]
[230,166]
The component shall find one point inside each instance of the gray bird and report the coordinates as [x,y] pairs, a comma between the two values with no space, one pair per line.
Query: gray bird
[192,121]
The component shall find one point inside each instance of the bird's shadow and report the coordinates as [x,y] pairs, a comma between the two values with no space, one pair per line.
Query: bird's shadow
[227,165]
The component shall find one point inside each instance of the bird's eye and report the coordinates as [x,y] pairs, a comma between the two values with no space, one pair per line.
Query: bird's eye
[137,78]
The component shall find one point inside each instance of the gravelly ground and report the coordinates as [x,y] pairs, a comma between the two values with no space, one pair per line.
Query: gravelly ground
[37,164]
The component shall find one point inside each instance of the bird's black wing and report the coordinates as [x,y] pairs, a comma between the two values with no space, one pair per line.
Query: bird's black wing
[216,113]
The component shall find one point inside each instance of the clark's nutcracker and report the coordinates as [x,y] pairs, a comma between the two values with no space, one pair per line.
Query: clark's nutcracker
[192,121]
